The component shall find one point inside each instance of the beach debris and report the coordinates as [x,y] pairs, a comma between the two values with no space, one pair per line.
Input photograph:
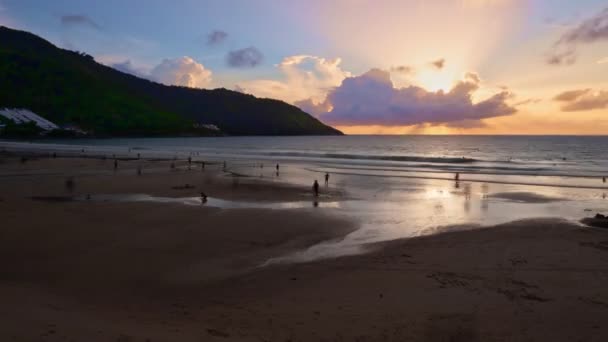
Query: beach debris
[183,187]
[598,221]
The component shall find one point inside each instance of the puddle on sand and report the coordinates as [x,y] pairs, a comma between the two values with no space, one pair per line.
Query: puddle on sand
[209,202]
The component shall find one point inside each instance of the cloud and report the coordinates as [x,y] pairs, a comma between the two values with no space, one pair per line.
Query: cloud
[571,95]
[438,64]
[589,31]
[305,77]
[527,102]
[244,58]
[582,100]
[216,37]
[129,68]
[183,71]
[74,20]
[403,69]
[371,99]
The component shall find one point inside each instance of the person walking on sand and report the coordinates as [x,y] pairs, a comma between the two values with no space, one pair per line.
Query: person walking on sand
[315,188]
[278,168]
[115,164]
[203,197]
[604,179]
[457,177]
[326,178]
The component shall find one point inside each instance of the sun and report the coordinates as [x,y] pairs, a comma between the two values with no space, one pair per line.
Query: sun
[435,81]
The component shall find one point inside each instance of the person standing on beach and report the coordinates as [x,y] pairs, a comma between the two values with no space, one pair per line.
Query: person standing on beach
[604,179]
[457,177]
[115,164]
[326,178]
[203,197]
[315,188]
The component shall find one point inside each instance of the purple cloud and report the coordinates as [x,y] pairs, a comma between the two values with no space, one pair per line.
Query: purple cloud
[216,37]
[78,20]
[371,99]
[592,30]
[244,58]
[582,100]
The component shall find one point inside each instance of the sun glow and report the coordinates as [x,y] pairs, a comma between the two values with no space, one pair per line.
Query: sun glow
[435,81]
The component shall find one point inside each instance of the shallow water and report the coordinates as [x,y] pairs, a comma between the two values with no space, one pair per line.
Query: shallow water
[395,187]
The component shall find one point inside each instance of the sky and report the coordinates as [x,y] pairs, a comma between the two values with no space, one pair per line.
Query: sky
[365,67]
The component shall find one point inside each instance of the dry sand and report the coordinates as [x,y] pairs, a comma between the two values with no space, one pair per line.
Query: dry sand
[95,271]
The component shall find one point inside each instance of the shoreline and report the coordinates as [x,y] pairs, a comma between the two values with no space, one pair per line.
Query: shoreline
[137,271]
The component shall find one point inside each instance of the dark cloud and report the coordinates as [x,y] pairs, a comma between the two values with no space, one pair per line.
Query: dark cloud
[582,100]
[371,99]
[589,31]
[78,20]
[216,37]
[439,64]
[403,69]
[244,58]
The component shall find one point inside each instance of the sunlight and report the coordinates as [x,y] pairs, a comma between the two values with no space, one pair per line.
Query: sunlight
[435,81]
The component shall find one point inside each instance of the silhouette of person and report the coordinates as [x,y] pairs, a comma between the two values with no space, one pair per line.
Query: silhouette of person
[203,197]
[189,160]
[315,188]
[604,179]
[202,166]
[115,164]
[224,168]
[457,176]
[326,178]
[278,168]
[138,156]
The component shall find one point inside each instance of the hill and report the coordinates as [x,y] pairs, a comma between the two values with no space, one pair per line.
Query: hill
[68,87]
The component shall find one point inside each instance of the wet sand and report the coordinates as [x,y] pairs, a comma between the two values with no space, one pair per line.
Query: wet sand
[106,271]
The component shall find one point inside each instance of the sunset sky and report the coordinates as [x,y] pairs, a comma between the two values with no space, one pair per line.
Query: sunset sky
[369,67]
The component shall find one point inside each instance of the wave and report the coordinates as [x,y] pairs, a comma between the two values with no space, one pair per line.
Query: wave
[399,158]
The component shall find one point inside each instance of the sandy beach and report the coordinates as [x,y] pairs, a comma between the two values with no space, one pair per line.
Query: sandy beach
[78,269]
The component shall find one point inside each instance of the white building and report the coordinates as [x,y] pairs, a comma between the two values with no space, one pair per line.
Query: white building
[21,116]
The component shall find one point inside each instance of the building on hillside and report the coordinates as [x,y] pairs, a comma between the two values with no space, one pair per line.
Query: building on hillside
[21,116]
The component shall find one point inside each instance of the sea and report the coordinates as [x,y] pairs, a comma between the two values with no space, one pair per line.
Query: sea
[394,186]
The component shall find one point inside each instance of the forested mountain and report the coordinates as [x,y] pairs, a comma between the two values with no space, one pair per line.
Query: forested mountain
[68,87]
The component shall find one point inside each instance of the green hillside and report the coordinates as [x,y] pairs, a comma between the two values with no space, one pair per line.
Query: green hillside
[67,87]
